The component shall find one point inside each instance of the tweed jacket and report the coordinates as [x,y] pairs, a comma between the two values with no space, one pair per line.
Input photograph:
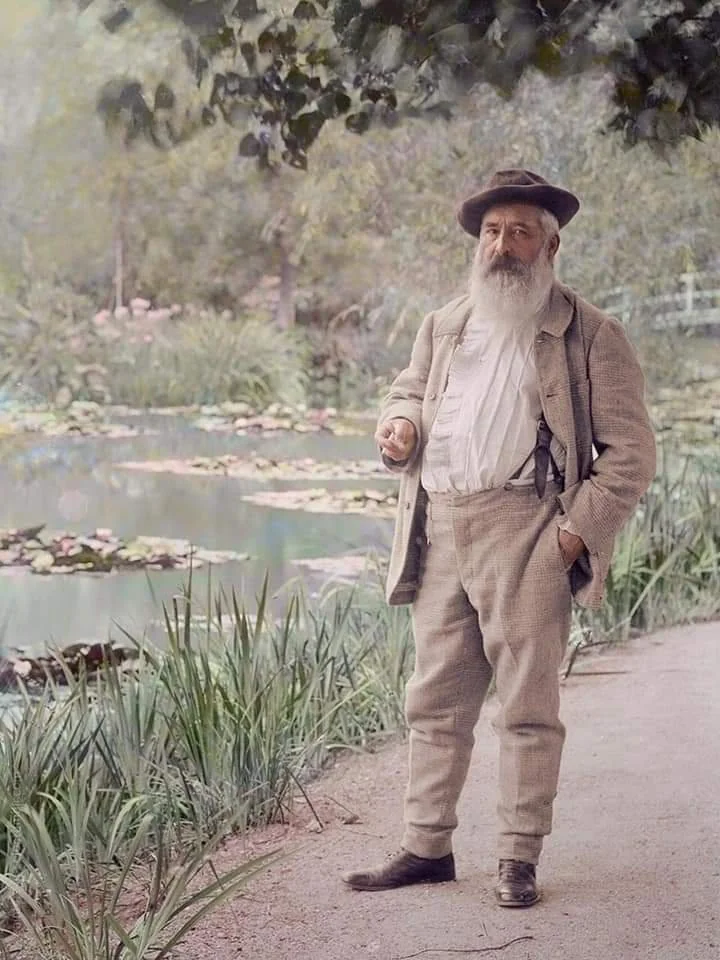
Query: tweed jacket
[592,396]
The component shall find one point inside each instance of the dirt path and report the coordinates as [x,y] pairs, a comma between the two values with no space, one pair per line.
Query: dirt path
[632,871]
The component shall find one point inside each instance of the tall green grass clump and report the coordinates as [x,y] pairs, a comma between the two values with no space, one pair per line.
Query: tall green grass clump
[666,567]
[115,793]
[206,357]
[50,346]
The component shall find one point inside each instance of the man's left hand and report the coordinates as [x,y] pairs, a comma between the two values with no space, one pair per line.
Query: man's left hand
[571,547]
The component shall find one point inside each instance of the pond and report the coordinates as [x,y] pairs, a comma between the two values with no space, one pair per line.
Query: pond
[76,484]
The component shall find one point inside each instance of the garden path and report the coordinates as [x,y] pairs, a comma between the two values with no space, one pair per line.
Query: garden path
[632,871]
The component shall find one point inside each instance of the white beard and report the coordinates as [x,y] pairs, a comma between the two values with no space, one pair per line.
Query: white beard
[508,297]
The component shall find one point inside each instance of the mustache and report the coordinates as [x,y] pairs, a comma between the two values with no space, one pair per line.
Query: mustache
[506,263]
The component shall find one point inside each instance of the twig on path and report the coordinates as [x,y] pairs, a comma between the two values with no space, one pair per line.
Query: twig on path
[579,648]
[502,946]
[351,813]
[308,801]
[364,833]
[599,673]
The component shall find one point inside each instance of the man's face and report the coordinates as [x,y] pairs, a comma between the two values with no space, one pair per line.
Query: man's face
[511,240]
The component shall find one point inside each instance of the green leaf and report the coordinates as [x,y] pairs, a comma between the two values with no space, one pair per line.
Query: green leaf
[116,20]
[249,54]
[296,78]
[295,100]
[249,146]
[235,85]
[358,122]
[332,104]
[306,127]
[305,11]
[164,97]
[214,43]
[245,9]
[320,57]
[203,15]
[373,94]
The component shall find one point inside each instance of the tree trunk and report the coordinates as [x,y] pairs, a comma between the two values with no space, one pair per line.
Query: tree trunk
[120,239]
[286,301]
[119,268]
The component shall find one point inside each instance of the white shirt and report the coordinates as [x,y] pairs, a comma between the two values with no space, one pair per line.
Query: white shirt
[486,424]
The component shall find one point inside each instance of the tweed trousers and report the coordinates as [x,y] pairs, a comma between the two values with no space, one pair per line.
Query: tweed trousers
[494,601]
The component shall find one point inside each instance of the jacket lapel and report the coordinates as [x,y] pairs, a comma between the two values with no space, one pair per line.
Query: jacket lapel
[553,374]
[449,327]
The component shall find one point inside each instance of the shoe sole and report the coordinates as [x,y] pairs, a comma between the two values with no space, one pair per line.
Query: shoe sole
[518,903]
[371,888]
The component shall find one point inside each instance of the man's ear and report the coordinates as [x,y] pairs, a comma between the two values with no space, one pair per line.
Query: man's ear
[554,245]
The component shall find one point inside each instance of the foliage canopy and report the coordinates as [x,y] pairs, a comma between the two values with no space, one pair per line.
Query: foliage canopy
[280,76]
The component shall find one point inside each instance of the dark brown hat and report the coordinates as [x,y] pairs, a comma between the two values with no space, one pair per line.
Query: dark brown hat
[517,186]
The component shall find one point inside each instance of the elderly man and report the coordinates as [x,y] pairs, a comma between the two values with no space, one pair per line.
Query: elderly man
[524,443]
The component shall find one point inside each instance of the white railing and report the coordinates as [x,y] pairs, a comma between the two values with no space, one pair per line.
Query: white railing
[695,304]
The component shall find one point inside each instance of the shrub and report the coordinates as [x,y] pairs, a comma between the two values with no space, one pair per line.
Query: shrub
[205,358]
[46,338]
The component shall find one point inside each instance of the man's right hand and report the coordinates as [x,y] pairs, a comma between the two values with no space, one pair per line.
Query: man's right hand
[396,438]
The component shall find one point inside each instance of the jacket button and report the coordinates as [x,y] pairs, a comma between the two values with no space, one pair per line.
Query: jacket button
[407,504]
[433,396]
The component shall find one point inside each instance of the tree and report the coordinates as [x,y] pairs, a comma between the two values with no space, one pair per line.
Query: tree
[372,223]
[283,77]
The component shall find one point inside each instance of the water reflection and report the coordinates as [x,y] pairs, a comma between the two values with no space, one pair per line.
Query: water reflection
[76,484]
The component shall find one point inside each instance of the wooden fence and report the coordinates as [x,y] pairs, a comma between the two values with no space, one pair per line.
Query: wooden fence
[694,305]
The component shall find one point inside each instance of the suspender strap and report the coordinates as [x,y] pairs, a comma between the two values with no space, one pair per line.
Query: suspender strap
[543,459]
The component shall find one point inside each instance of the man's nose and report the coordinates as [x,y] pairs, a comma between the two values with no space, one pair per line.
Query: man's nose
[503,242]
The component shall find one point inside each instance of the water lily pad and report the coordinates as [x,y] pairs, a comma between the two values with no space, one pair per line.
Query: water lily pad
[346,568]
[58,666]
[42,561]
[320,500]
[279,418]
[23,535]
[78,420]
[255,467]
[101,552]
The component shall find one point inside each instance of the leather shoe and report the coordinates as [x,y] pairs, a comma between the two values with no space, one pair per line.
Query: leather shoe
[516,886]
[404,869]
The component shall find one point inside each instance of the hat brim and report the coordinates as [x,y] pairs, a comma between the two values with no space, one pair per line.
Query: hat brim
[563,204]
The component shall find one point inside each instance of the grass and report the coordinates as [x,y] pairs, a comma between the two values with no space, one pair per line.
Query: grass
[666,565]
[126,907]
[209,358]
[50,345]
[128,782]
